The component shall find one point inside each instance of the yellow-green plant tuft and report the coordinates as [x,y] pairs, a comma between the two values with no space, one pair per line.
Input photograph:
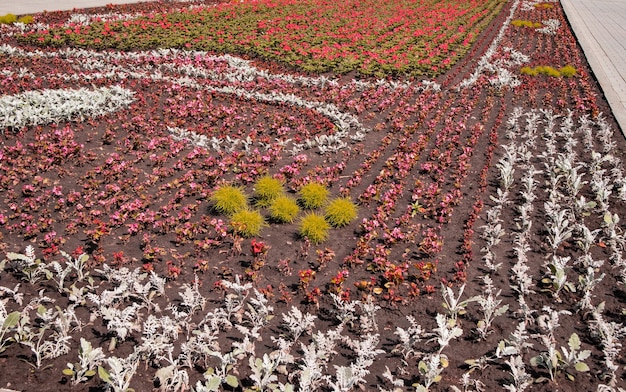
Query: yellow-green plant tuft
[568,71]
[267,189]
[8,19]
[284,209]
[314,227]
[26,19]
[229,199]
[550,71]
[247,223]
[313,195]
[529,71]
[341,212]
[525,23]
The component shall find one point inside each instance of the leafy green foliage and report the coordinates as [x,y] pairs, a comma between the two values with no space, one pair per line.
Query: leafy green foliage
[247,223]
[313,195]
[314,227]
[284,209]
[229,199]
[341,212]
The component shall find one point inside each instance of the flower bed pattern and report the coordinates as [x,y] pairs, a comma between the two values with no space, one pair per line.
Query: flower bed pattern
[448,175]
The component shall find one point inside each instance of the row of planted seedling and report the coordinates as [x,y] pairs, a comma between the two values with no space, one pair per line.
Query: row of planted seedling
[541,162]
[179,335]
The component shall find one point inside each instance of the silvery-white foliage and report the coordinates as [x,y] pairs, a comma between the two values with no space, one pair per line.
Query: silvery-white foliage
[409,338]
[89,359]
[263,370]
[396,382]
[610,335]
[155,286]
[121,321]
[608,388]
[298,323]
[119,373]
[445,331]
[191,301]
[72,264]
[586,284]
[585,237]
[430,368]
[521,379]
[14,294]
[504,78]
[516,58]
[46,347]
[558,225]
[529,5]
[485,64]
[557,272]
[345,310]
[158,335]
[199,346]
[506,165]
[454,306]
[516,344]
[125,284]
[53,106]
[500,199]
[520,269]
[367,319]
[346,378]
[470,384]
[28,264]
[234,302]
[316,356]
[87,19]
[365,348]
[172,378]
[259,313]
[490,307]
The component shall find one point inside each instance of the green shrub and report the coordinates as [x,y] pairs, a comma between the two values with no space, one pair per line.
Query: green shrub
[284,209]
[341,212]
[8,19]
[313,195]
[314,227]
[247,223]
[229,199]
[267,189]
[568,71]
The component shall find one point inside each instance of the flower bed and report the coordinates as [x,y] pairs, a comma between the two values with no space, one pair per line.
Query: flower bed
[412,38]
[158,171]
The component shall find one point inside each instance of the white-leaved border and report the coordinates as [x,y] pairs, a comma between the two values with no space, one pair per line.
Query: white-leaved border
[54,105]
